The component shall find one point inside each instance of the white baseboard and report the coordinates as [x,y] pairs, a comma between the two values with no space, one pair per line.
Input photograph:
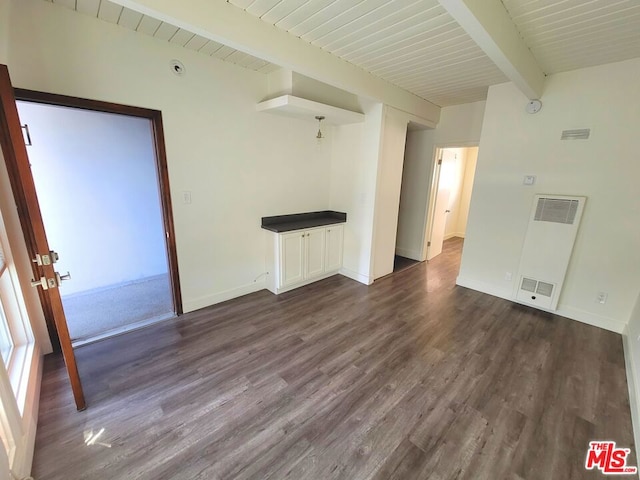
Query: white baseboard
[571,313]
[24,453]
[358,277]
[407,253]
[190,305]
[453,235]
[632,385]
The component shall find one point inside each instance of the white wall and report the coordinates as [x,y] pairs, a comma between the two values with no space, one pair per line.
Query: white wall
[460,125]
[239,165]
[471,159]
[95,174]
[388,186]
[354,167]
[603,168]
[632,362]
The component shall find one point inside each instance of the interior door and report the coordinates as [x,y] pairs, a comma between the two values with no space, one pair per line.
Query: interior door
[441,207]
[45,276]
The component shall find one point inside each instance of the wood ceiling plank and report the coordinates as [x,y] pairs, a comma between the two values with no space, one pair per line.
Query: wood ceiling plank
[66,3]
[330,11]
[165,31]
[196,43]
[223,52]
[129,19]
[302,13]
[388,31]
[210,47]
[182,37]
[259,7]
[148,25]
[344,19]
[109,11]
[243,4]
[282,9]
[88,7]
[404,38]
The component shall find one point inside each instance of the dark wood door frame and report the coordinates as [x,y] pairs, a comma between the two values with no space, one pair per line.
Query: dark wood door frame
[155,116]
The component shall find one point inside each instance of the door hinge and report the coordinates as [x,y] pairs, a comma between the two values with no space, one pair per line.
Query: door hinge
[440,161]
[26,135]
[428,244]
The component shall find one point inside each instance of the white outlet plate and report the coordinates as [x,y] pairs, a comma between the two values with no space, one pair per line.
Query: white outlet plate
[529,180]
[602,298]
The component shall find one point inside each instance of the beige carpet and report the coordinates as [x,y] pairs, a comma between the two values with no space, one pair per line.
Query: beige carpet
[113,308]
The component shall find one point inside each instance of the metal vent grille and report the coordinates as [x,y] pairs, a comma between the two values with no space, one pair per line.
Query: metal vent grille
[556,210]
[580,134]
[528,284]
[545,289]
[534,286]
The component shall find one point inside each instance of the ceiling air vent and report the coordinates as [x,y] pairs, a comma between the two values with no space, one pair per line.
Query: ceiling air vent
[556,210]
[581,134]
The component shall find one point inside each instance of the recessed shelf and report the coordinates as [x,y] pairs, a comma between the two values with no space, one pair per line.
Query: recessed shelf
[290,106]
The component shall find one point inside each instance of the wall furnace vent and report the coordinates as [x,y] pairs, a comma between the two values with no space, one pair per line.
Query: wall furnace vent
[552,230]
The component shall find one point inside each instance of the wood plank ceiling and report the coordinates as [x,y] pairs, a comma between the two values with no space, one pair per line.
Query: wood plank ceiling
[127,18]
[416,44]
[570,34]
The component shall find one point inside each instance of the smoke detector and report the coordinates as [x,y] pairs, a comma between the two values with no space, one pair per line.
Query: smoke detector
[177,67]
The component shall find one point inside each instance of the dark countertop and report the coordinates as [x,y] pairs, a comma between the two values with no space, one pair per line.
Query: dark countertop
[299,221]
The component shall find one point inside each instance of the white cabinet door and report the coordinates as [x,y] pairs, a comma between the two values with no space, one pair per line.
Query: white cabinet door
[333,255]
[292,258]
[315,245]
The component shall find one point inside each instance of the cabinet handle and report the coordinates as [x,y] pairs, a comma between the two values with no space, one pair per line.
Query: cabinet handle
[303,235]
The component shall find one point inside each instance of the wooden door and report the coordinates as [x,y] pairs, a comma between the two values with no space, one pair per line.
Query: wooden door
[24,191]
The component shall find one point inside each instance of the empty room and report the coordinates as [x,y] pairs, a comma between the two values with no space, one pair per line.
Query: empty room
[332,239]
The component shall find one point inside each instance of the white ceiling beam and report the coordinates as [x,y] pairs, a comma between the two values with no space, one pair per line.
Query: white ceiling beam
[224,23]
[491,27]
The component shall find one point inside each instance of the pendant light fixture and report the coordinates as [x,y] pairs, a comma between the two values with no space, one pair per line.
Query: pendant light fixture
[319,135]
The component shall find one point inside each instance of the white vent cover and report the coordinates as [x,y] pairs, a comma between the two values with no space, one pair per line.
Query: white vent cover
[580,134]
[552,230]
[556,210]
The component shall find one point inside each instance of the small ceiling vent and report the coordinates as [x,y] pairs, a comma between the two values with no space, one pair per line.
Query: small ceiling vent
[581,134]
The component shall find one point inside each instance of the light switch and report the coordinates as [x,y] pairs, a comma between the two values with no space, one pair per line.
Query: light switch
[186,197]
[529,180]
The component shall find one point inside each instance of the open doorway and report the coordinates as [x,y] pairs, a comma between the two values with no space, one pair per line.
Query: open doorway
[434,200]
[451,197]
[99,189]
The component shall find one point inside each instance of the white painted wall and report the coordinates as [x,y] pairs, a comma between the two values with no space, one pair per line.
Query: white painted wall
[632,363]
[388,186]
[460,125]
[95,174]
[239,165]
[354,168]
[471,159]
[603,168]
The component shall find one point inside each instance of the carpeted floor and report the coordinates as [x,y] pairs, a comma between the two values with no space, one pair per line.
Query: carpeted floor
[117,308]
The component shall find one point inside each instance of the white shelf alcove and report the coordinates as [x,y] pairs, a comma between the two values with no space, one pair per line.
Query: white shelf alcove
[290,106]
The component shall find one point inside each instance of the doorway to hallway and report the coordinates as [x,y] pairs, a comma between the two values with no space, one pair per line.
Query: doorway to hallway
[99,188]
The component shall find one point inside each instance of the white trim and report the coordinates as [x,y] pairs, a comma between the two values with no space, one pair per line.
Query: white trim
[407,253]
[24,453]
[571,313]
[208,300]
[358,277]
[633,386]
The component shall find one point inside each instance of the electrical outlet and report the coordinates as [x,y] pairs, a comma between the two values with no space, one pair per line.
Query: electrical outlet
[186,197]
[602,297]
[508,276]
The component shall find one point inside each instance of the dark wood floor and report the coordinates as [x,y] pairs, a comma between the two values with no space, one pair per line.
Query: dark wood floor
[410,378]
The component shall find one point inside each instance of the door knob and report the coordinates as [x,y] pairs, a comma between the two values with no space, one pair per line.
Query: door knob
[40,283]
[447,211]
[60,278]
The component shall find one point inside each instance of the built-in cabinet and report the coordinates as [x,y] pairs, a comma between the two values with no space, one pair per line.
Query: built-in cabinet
[300,257]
